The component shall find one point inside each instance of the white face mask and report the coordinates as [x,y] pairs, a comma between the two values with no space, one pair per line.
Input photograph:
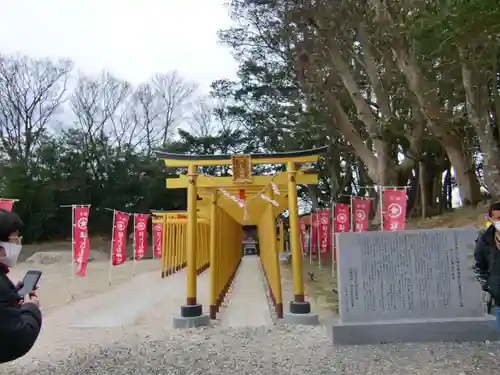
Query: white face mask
[497,226]
[12,252]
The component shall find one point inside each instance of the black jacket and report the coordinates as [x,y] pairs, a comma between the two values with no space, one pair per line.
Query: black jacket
[19,325]
[486,266]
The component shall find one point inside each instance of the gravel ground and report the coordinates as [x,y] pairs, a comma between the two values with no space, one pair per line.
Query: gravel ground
[259,351]
[150,346]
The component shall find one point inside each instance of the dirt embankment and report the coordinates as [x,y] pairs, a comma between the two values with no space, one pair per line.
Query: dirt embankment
[457,218]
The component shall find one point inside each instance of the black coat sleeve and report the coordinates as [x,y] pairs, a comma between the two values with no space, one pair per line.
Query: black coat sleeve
[480,267]
[19,328]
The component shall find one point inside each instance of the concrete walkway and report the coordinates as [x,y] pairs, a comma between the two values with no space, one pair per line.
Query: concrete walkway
[143,295]
[247,302]
[146,300]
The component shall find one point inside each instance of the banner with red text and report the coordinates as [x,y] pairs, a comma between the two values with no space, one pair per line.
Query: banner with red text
[361,211]
[81,242]
[342,222]
[302,228]
[6,204]
[325,234]
[158,239]
[394,209]
[314,232]
[141,235]
[119,248]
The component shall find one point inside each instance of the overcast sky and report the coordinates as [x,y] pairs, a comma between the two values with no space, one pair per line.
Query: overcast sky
[133,39]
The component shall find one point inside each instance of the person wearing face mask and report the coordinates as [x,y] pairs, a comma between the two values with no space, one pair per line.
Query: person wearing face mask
[20,317]
[486,265]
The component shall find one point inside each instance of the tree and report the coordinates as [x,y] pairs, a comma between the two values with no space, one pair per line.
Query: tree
[468,34]
[146,110]
[202,121]
[379,79]
[175,94]
[31,94]
[439,116]
[97,150]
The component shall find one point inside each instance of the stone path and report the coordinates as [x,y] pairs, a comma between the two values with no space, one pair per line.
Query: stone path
[247,302]
[126,303]
[271,350]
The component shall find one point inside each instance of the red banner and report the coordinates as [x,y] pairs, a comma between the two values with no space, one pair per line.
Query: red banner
[141,235]
[158,239]
[119,249]
[394,209]
[81,242]
[361,211]
[6,204]
[342,216]
[325,235]
[302,228]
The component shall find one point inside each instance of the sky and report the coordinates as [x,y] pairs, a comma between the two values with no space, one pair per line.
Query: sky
[130,38]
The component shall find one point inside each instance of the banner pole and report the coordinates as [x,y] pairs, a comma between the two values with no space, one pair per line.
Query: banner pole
[111,250]
[73,251]
[404,213]
[381,207]
[309,243]
[351,214]
[334,270]
[152,238]
[318,252]
[134,247]
[285,242]
[384,186]
[332,236]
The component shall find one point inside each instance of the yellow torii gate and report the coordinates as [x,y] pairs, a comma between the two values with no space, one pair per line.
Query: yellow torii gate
[249,203]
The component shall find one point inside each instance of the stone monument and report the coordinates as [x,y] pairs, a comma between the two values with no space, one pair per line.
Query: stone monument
[410,286]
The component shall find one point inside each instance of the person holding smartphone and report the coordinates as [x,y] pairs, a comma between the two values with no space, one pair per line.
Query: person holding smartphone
[20,317]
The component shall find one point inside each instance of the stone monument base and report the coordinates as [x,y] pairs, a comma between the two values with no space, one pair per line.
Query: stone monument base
[191,321]
[416,330]
[310,319]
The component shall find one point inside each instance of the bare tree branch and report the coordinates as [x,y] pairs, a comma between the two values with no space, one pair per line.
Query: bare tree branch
[176,94]
[31,93]
[202,122]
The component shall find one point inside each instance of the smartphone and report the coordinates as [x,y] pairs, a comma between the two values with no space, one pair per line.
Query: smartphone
[29,282]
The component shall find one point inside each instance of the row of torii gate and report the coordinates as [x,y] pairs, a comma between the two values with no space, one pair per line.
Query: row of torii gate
[209,234]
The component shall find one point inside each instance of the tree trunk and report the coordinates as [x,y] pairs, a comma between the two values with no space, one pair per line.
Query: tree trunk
[423,190]
[386,168]
[313,194]
[380,169]
[477,100]
[413,193]
[437,187]
[445,200]
[495,87]
[438,119]
[468,185]
[416,209]
[364,179]
[388,177]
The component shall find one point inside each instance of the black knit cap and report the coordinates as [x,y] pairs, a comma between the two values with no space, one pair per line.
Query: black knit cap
[493,207]
[10,222]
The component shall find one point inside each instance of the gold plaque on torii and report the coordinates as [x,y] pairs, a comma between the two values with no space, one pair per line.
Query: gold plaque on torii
[242,169]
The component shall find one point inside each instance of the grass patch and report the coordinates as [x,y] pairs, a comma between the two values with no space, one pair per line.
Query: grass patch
[319,291]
